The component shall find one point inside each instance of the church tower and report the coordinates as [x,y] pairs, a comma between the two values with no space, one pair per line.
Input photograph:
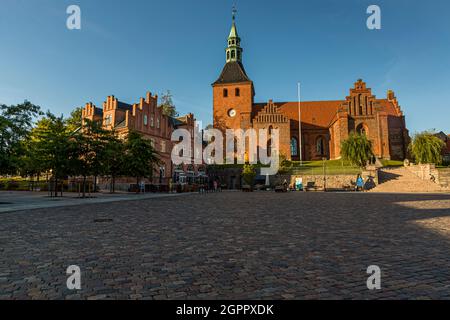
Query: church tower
[233,91]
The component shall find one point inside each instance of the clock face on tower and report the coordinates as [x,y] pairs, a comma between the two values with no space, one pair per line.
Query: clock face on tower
[232,113]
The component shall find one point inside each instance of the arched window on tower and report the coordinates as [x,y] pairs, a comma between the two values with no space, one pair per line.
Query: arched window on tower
[228,55]
[233,54]
[320,146]
[294,147]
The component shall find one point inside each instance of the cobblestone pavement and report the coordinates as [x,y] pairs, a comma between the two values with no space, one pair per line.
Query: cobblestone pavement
[232,245]
[24,200]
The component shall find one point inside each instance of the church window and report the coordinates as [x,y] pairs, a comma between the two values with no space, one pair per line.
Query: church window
[152,121]
[269,148]
[233,54]
[237,92]
[294,147]
[361,129]
[145,120]
[228,55]
[225,93]
[158,123]
[320,146]
[163,146]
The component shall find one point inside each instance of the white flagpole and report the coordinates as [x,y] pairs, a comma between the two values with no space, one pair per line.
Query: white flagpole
[300,126]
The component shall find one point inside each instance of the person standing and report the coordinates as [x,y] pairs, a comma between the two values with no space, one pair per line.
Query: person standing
[359,183]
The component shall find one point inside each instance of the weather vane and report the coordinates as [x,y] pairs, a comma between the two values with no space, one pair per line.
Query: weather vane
[234,12]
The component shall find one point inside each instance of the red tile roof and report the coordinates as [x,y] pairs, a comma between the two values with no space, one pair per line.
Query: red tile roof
[316,113]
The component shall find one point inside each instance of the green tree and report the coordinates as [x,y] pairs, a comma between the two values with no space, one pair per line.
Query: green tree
[16,122]
[427,148]
[167,105]
[248,174]
[112,159]
[89,143]
[75,121]
[357,149]
[140,157]
[53,148]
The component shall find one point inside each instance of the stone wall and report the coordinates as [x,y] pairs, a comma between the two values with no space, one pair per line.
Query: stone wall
[424,171]
[338,182]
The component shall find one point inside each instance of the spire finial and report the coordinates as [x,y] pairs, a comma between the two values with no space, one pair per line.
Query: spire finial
[234,11]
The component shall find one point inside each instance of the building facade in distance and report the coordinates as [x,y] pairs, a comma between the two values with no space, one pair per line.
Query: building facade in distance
[324,124]
[148,119]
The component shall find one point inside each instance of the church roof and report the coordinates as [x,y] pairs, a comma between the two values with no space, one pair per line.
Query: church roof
[233,31]
[313,113]
[233,72]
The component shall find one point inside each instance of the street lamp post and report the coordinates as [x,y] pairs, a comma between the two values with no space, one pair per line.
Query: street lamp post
[300,126]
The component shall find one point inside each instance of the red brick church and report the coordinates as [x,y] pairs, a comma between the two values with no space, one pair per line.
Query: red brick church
[324,124]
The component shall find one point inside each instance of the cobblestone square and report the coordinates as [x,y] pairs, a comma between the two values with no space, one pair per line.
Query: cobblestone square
[232,245]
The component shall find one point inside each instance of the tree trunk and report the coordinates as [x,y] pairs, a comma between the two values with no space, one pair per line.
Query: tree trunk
[84,186]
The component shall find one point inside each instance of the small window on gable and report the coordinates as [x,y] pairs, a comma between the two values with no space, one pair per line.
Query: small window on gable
[237,92]
[225,93]
[152,121]
[145,120]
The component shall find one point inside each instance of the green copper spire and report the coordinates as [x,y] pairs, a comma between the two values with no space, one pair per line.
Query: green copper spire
[234,50]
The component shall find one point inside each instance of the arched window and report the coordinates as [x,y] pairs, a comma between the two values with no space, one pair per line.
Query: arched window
[233,54]
[294,147]
[362,129]
[228,55]
[237,92]
[320,146]
[225,93]
[269,148]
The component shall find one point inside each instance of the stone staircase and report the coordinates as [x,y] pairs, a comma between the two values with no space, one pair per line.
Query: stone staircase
[401,180]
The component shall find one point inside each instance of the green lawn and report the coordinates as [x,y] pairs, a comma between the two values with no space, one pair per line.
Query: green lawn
[391,163]
[332,167]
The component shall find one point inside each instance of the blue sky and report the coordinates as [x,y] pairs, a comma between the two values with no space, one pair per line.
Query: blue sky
[128,47]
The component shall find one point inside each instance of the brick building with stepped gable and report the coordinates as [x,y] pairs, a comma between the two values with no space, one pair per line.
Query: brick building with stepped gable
[325,124]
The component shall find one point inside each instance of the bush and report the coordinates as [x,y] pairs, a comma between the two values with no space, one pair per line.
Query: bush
[12,185]
[427,148]
[357,149]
